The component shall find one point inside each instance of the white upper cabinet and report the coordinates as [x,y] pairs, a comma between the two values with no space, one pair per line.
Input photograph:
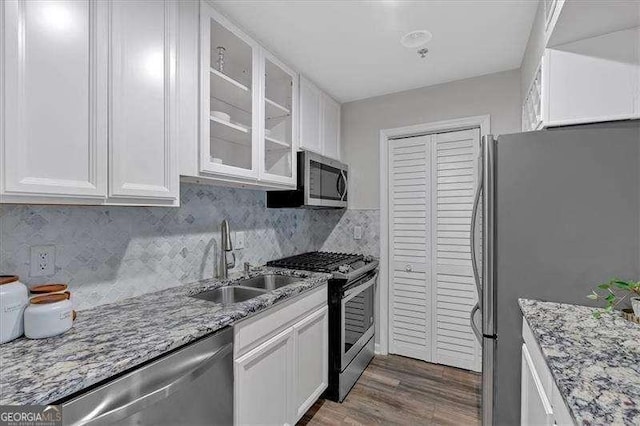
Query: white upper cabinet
[91,85]
[590,69]
[592,80]
[248,108]
[330,127]
[55,105]
[142,148]
[319,121]
[230,92]
[280,121]
[310,116]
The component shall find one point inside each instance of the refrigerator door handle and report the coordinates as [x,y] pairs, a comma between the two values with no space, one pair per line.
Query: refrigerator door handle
[474,224]
[488,296]
[474,327]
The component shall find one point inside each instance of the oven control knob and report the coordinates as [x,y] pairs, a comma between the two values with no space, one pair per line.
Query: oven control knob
[343,269]
[408,268]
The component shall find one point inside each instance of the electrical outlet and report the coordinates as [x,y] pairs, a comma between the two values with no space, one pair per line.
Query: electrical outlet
[239,240]
[43,261]
[357,232]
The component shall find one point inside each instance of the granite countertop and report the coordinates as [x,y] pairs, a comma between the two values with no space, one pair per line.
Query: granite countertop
[595,362]
[114,338]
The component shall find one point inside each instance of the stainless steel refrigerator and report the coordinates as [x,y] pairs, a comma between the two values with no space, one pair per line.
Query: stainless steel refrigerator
[559,212]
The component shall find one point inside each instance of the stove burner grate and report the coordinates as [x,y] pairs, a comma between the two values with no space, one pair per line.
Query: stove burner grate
[318,261]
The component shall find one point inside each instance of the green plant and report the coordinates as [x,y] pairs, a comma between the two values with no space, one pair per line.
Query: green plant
[613,293]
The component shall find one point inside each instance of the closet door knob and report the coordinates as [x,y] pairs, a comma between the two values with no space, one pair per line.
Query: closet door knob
[408,268]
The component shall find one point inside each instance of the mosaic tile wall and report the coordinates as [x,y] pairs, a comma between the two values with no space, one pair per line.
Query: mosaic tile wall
[341,237]
[106,254]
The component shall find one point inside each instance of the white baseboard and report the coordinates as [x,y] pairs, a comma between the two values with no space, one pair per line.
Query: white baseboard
[378,350]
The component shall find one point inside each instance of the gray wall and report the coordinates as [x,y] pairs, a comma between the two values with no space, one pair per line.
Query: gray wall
[495,94]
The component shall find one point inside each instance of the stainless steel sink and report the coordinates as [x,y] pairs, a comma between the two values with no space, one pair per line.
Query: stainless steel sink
[229,295]
[268,281]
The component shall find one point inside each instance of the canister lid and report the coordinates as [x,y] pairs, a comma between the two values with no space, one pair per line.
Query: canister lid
[48,288]
[8,279]
[49,298]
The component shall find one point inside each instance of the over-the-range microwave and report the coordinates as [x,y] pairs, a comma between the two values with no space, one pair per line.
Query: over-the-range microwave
[322,184]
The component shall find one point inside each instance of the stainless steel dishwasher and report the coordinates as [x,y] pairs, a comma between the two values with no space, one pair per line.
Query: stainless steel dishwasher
[191,386]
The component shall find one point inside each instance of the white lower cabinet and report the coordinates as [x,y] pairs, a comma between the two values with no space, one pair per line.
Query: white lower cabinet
[311,360]
[540,400]
[535,407]
[263,382]
[281,361]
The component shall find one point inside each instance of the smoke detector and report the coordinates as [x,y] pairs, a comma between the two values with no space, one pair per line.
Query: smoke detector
[415,39]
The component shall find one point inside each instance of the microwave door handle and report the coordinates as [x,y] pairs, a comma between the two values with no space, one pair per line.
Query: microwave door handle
[344,181]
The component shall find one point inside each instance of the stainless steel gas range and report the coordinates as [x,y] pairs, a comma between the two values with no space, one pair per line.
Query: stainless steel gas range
[351,317]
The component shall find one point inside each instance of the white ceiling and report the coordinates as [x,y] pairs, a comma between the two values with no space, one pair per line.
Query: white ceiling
[352,49]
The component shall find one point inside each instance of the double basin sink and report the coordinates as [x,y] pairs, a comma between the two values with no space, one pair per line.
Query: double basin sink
[246,288]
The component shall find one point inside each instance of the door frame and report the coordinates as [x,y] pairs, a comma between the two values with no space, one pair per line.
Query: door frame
[482,121]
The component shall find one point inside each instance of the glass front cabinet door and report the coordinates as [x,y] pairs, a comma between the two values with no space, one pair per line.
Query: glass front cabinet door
[280,88]
[248,99]
[230,91]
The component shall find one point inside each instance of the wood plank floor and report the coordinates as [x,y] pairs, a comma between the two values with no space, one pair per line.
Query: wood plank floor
[404,391]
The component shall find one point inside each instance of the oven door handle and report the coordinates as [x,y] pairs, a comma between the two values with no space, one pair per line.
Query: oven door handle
[359,272]
[352,292]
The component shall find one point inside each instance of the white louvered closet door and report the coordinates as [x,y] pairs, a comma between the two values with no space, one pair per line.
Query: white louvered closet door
[409,246]
[431,184]
[454,292]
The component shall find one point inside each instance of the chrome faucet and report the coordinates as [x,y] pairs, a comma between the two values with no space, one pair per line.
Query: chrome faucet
[225,247]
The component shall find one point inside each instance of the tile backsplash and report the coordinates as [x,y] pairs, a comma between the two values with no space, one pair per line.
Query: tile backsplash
[106,254]
[341,236]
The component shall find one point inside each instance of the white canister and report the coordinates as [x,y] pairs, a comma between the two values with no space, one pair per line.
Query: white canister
[635,304]
[14,298]
[48,316]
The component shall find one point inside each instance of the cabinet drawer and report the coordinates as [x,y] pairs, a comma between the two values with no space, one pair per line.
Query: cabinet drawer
[254,331]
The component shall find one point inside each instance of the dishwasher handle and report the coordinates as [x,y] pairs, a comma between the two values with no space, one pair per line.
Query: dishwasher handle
[154,395]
